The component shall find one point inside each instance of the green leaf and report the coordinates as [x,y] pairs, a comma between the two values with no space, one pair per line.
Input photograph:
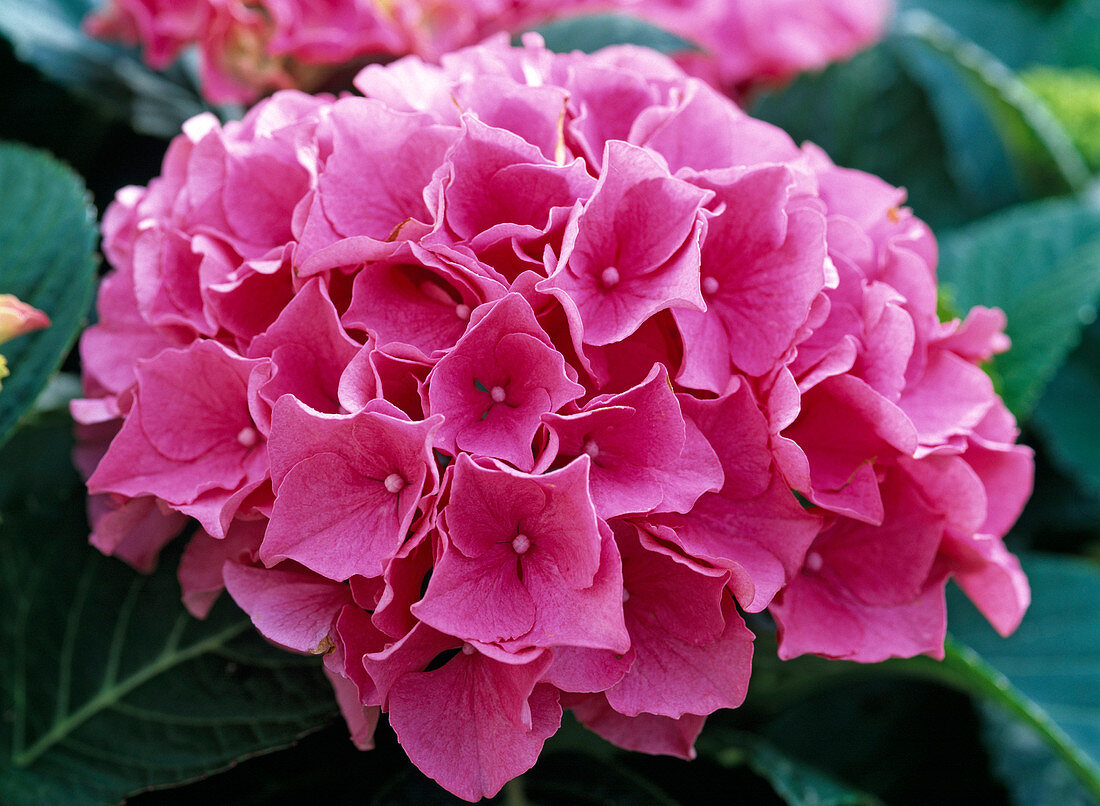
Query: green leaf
[1040,148]
[1073,96]
[47,239]
[1033,774]
[873,114]
[47,34]
[107,686]
[798,783]
[1066,418]
[1040,263]
[1045,675]
[1018,38]
[1074,35]
[591,32]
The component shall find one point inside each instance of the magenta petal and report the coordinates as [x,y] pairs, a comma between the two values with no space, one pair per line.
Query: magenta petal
[643,733]
[497,382]
[633,249]
[635,441]
[693,653]
[309,350]
[291,608]
[479,600]
[347,487]
[762,266]
[362,720]
[553,511]
[992,578]
[817,618]
[200,569]
[189,430]
[381,162]
[462,726]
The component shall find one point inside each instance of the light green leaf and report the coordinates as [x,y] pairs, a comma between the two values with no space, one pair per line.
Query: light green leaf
[1040,148]
[47,34]
[1040,263]
[798,783]
[592,32]
[107,686]
[47,244]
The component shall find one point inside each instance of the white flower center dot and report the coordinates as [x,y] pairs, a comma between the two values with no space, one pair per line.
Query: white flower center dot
[467,649]
[498,394]
[394,483]
[710,285]
[610,277]
[248,437]
[814,561]
[462,312]
[521,544]
[592,449]
[626,596]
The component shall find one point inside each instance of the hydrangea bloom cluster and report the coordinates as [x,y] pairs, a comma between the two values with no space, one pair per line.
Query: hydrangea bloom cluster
[496,384]
[251,47]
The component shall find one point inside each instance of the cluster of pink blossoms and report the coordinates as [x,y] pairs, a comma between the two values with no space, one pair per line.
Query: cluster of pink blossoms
[494,386]
[250,47]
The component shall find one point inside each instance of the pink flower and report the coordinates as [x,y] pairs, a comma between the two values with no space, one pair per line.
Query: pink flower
[505,398]
[249,49]
[17,318]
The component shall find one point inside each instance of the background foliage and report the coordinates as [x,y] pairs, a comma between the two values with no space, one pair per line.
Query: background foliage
[987,111]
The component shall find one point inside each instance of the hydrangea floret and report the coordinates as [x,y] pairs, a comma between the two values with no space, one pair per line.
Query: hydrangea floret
[506,400]
[252,47]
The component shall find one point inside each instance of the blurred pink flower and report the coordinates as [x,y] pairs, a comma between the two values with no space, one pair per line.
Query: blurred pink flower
[249,49]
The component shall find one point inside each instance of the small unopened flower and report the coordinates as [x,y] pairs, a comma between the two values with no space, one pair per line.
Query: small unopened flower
[17,318]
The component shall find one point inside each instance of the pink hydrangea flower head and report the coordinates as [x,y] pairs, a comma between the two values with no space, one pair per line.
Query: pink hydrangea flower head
[506,399]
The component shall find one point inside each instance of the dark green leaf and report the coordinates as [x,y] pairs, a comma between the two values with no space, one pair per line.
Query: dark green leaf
[590,33]
[1040,148]
[1034,775]
[107,686]
[1041,264]
[47,239]
[870,113]
[1074,35]
[1066,416]
[798,783]
[47,34]
[1018,38]
[1046,675]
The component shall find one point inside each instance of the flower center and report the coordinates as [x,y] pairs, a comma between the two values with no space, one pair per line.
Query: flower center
[248,437]
[710,286]
[462,311]
[497,394]
[591,448]
[626,596]
[814,562]
[467,649]
[521,544]
[610,277]
[394,483]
